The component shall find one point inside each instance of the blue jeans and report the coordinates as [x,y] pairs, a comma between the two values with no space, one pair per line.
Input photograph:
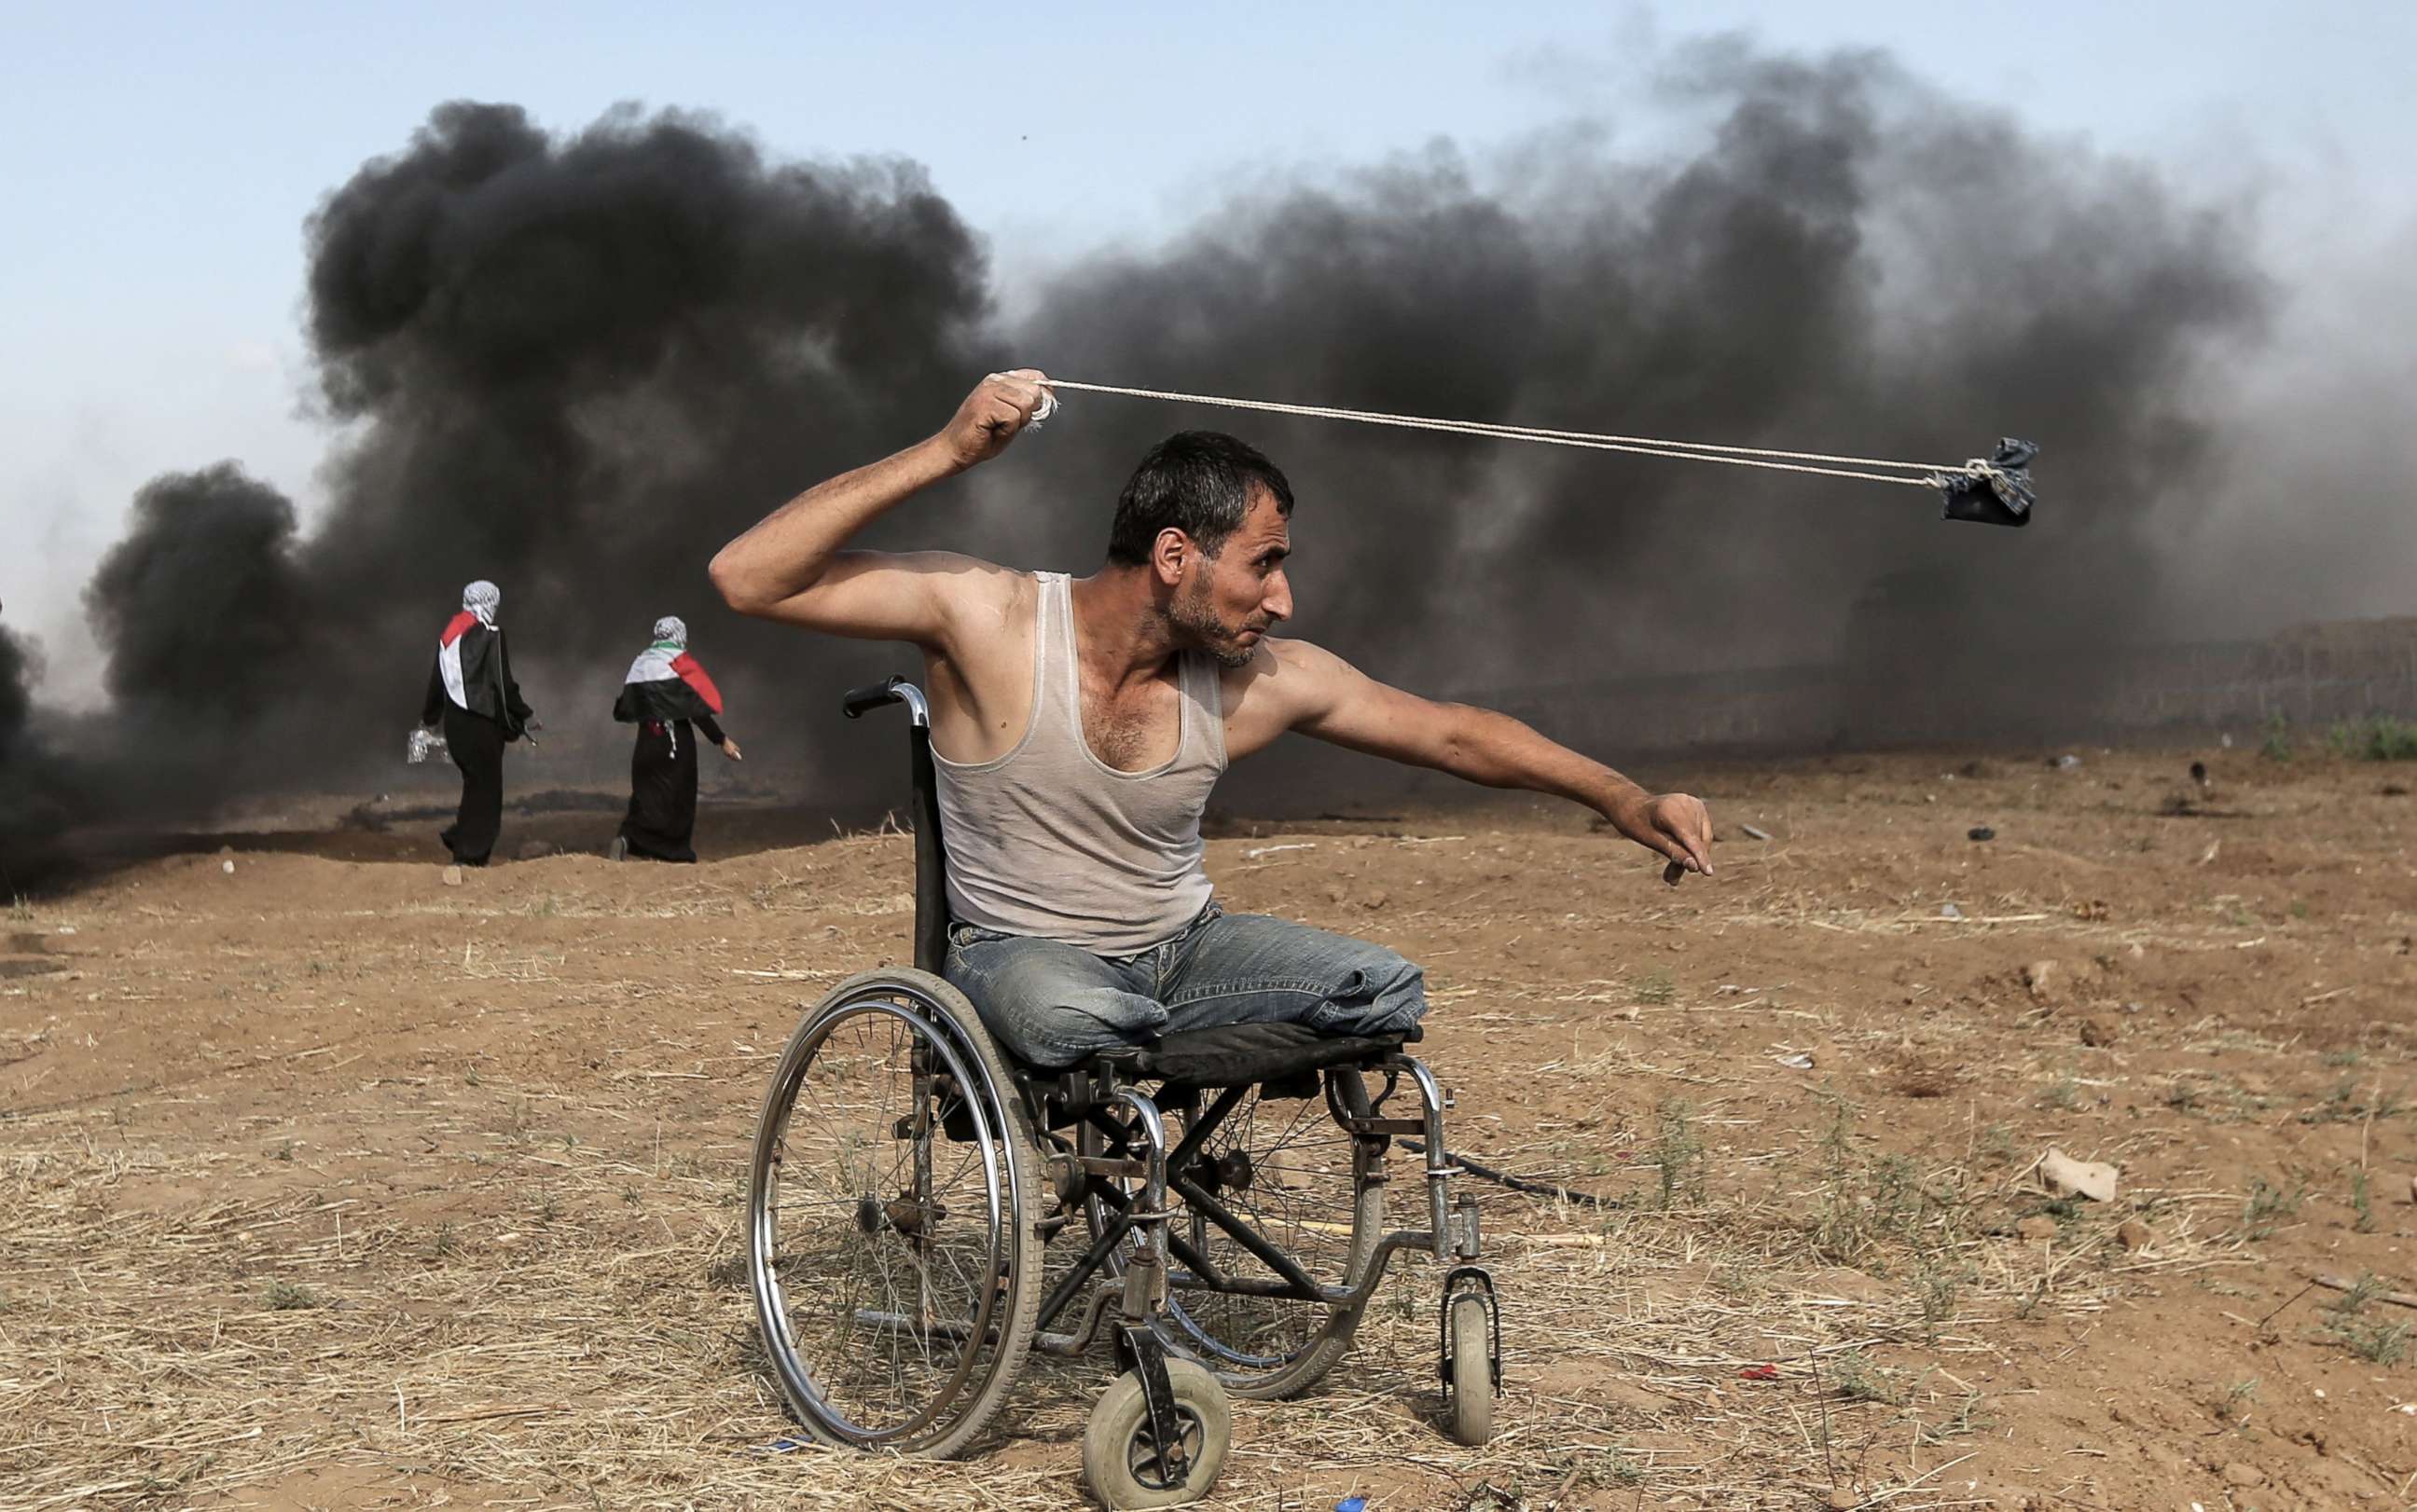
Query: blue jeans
[1051,1004]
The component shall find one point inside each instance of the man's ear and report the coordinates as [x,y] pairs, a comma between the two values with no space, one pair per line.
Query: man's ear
[1170,555]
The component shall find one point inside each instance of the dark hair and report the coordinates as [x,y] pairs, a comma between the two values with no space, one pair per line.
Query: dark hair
[1195,481]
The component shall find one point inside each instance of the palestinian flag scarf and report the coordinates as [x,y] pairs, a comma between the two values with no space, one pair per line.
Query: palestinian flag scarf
[470,655]
[666,684]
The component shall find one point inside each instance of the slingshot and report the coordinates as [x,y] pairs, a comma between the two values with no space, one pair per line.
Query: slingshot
[1989,491]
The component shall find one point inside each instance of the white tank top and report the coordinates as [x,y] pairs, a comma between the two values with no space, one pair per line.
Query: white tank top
[1051,841]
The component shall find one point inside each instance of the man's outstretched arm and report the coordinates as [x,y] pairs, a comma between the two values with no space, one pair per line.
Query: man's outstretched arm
[1297,685]
[792,566]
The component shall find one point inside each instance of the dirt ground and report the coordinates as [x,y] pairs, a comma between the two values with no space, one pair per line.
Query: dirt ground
[325,1184]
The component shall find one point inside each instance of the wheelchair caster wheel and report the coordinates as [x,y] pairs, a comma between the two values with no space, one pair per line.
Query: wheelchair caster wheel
[1468,1387]
[1121,1459]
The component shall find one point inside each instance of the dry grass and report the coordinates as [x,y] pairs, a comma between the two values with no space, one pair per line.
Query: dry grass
[583,1335]
[400,1222]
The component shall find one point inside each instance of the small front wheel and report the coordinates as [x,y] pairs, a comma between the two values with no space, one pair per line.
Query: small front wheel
[1120,1453]
[1468,1405]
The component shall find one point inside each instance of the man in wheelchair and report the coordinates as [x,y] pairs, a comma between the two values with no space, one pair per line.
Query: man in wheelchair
[1078,726]
[907,1177]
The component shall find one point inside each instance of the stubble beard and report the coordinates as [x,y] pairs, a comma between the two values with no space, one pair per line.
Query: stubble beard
[1197,629]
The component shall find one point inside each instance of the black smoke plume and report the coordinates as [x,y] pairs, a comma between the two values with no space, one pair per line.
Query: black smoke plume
[577,364]
[35,792]
[200,608]
[1852,263]
[570,365]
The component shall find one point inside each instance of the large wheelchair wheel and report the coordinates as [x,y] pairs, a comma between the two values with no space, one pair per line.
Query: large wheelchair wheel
[890,1246]
[1276,1165]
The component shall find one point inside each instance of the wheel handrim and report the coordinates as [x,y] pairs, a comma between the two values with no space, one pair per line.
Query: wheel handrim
[880,1260]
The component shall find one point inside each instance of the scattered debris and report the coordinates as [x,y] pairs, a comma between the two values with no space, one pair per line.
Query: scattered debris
[2134,1235]
[2041,977]
[2343,1283]
[1258,850]
[2038,1226]
[2061,1175]
[2209,855]
[1980,832]
[2393,790]
[227,866]
[2097,1032]
[2066,762]
[1797,1062]
[1948,911]
[2198,773]
[452,876]
[2239,1473]
[1759,1372]
[1757,834]
[66,929]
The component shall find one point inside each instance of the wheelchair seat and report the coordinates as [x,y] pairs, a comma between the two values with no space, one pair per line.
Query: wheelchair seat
[1242,1054]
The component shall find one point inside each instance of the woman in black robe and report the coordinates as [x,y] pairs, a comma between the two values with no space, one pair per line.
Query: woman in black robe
[471,689]
[671,701]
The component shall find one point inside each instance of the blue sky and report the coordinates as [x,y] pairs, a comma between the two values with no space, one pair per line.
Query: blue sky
[158,160]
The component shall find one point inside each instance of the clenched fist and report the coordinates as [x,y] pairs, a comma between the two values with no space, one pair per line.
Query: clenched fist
[1000,405]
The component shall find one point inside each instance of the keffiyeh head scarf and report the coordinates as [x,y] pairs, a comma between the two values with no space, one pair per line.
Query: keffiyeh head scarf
[672,631]
[482,599]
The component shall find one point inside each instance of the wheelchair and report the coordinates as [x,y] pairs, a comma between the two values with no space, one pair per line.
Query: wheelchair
[1222,1191]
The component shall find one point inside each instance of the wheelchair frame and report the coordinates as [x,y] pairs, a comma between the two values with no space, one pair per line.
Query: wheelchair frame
[1160,1429]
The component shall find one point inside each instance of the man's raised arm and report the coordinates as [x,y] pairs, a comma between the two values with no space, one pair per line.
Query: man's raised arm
[791,566]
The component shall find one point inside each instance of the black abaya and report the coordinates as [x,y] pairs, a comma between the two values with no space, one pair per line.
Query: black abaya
[662,821]
[477,743]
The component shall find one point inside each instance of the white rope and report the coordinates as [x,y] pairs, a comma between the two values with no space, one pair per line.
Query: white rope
[1925,475]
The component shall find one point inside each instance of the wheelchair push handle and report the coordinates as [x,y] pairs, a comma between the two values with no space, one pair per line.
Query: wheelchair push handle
[895,689]
[870,696]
